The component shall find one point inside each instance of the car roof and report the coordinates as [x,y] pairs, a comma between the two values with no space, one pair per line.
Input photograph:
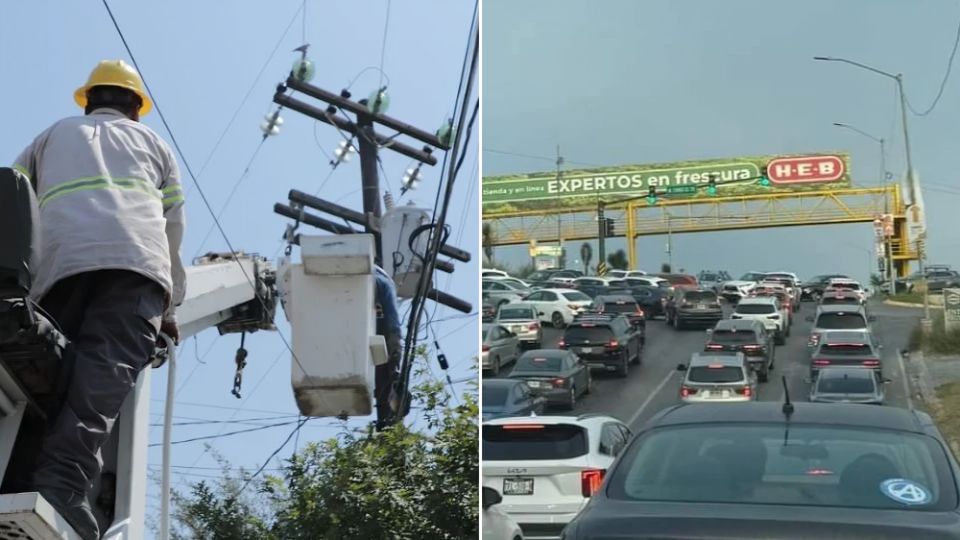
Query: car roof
[757,300]
[557,290]
[502,383]
[526,305]
[803,413]
[704,359]
[613,298]
[544,353]
[583,420]
[737,324]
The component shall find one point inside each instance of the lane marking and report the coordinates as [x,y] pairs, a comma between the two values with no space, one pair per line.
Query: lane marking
[903,376]
[652,395]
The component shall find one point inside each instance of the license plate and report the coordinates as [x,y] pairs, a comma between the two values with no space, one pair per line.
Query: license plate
[518,486]
[586,350]
[533,384]
[517,329]
[701,306]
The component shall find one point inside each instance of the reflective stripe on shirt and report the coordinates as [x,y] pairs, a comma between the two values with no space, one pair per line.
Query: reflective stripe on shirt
[23,170]
[99,182]
[172,195]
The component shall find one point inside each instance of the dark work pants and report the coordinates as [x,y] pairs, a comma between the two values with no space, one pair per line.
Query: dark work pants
[385,375]
[112,318]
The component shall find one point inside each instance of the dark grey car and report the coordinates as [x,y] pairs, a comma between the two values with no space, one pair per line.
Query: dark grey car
[748,471]
[558,375]
[693,306]
[509,397]
[848,385]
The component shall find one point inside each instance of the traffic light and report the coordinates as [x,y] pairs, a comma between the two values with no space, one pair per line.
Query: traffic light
[652,196]
[764,179]
[712,186]
[609,227]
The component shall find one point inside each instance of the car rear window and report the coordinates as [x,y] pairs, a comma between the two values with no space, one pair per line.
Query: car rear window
[718,374]
[594,334]
[729,336]
[833,300]
[846,349]
[575,296]
[755,309]
[620,307]
[847,286]
[516,313]
[533,442]
[495,396]
[700,296]
[841,321]
[845,385]
[764,464]
[538,363]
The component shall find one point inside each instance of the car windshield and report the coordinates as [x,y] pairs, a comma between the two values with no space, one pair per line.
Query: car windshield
[515,313]
[841,321]
[834,300]
[731,337]
[819,466]
[715,374]
[494,396]
[845,384]
[700,297]
[755,309]
[846,286]
[538,363]
[575,296]
[514,442]
[593,334]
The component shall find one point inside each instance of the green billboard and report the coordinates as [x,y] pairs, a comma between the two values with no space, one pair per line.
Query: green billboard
[671,181]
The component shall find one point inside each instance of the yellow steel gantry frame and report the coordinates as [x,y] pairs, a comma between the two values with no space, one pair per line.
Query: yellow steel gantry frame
[779,209]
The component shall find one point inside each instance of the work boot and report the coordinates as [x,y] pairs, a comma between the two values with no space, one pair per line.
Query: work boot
[74,508]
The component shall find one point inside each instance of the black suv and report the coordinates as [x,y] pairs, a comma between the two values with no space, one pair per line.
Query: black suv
[749,337]
[813,289]
[693,306]
[604,341]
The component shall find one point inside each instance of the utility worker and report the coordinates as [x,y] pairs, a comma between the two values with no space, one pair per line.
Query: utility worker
[388,326]
[109,269]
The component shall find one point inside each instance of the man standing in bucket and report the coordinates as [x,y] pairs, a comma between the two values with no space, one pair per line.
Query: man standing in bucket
[109,272]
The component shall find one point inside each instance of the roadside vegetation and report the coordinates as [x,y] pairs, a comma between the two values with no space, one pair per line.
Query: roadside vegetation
[939,341]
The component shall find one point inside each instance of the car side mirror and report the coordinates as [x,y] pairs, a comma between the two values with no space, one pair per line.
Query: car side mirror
[681,367]
[490,497]
[886,381]
[809,318]
[709,331]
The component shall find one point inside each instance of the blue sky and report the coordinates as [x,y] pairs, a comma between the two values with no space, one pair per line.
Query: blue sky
[201,58]
[624,82]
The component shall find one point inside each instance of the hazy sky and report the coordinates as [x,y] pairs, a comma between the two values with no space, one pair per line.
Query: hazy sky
[201,58]
[624,82]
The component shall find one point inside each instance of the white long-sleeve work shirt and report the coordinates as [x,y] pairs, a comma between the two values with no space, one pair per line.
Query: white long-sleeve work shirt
[110,198]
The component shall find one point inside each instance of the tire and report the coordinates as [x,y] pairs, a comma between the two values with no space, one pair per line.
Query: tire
[495,370]
[572,398]
[624,369]
[779,339]
[678,323]
[557,320]
[636,359]
[763,375]
[589,385]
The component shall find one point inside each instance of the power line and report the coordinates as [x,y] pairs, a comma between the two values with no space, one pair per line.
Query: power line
[943,83]
[224,407]
[533,156]
[275,452]
[383,46]
[228,434]
[245,421]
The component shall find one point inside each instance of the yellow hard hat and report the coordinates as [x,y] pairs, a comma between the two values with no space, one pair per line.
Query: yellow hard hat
[114,73]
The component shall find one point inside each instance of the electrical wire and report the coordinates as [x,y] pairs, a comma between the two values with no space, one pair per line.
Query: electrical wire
[186,164]
[383,46]
[943,83]
[275,452]
[545,158]
[228,434]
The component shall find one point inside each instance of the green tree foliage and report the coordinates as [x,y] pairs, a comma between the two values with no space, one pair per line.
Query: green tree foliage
[400,483]
[618,259]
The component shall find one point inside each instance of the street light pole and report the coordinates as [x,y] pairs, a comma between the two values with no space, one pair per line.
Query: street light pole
[926,323]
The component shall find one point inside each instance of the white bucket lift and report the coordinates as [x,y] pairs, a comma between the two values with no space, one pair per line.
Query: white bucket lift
[329,299]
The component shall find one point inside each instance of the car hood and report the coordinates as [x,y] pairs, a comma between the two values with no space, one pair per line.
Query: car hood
[605,518]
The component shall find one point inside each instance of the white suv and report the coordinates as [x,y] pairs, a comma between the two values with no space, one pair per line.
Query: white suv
[766,309]
[547,468]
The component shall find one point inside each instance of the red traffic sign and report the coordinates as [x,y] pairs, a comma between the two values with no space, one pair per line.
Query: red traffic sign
[805,169]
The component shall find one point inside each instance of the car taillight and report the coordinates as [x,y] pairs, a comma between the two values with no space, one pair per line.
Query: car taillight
[745,391]
[486,348]
[821,362]
[814,340]
[752,349]
[714,347]
[533,326]
[613,344]
[590,480]
[562,344]
[559,383]
[873,362]
[686,391]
